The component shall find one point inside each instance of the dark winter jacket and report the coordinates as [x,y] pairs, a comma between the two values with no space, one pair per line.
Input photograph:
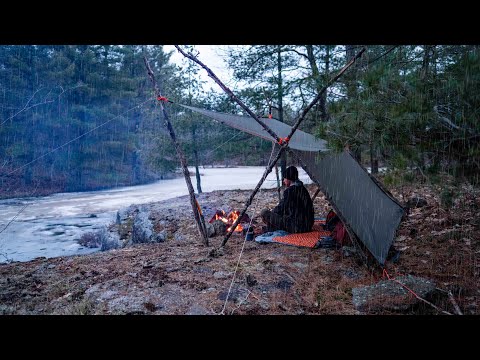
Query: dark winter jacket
[297,208]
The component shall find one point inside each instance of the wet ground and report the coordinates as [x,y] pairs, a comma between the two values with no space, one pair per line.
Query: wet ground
[179,276]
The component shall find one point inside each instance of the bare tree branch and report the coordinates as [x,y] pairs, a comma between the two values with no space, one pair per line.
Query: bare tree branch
[320,93]
[45,101]
[297,52]
[382,55]
[229,92]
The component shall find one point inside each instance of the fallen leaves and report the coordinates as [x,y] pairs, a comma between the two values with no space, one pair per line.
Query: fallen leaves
[436,249]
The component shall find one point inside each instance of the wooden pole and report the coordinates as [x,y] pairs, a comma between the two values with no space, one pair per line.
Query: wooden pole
[316,193]
[278,177]
[278,183]
[196,211]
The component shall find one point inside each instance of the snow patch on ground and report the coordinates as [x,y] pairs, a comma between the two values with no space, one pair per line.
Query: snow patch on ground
[50,226]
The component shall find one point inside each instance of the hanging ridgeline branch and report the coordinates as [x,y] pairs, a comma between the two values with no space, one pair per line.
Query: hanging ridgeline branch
[196,210]
[283,142]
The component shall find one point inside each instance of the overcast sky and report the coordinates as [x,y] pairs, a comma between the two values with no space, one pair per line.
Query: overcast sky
[211,56]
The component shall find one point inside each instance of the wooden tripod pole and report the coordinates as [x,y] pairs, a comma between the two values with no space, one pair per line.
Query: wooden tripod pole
[315,195]
[279,187]
[196,210]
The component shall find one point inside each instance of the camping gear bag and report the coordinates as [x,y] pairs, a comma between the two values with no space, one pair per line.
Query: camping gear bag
[335,225]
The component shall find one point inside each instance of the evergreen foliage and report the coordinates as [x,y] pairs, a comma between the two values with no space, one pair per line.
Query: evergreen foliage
[413,109]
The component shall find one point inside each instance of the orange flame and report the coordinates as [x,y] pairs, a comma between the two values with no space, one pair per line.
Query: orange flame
[229,220]
[232,217]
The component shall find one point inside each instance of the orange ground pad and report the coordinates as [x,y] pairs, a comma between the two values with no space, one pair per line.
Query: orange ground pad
[308,239]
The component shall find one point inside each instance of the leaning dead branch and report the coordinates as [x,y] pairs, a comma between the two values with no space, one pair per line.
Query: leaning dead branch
[454,303]
[452,300]
[196,209]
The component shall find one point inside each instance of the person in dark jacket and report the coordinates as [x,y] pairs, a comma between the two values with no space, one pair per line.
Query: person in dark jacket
[294,213]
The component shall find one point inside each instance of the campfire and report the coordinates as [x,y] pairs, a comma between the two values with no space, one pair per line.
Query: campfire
[230,219]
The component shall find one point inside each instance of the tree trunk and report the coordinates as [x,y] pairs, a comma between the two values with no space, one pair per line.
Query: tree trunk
[373,160]
[134,167]
[135,158]
[195,154]
[283,159]
[350,53]
[352,91]
[426,61]
[317,78]
[357,153]
[323,101]
[27,176]
[197,173]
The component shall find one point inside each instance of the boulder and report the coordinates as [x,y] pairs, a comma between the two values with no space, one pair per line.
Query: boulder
[390,295]
[142,230]
[109,240]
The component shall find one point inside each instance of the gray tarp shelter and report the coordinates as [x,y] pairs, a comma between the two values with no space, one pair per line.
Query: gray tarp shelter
[367,209]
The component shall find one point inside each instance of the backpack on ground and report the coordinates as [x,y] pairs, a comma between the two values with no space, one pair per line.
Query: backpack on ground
[331,220]
[335,225]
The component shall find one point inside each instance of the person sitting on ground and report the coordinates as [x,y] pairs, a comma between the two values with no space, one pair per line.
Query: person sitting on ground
[294,213]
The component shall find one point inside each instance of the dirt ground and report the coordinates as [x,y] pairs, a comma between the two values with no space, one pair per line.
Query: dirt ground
[181,276]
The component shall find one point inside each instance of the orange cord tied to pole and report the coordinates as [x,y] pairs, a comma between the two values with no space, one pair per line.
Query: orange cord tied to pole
[162,98]
[198,207]
[283,140]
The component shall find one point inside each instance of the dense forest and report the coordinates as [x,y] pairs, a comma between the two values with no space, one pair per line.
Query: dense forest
[83,117]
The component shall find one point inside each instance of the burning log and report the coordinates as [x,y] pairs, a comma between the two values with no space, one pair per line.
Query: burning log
[230,219]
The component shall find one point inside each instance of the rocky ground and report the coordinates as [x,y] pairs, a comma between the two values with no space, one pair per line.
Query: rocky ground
[176,273]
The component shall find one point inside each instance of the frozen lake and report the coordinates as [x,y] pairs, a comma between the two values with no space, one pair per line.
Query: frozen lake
[49,226]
